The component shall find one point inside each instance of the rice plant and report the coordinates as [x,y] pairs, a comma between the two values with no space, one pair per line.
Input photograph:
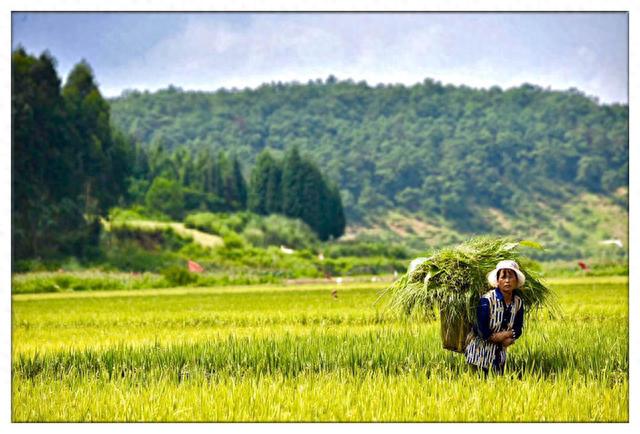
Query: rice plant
[275,353]
[455,278]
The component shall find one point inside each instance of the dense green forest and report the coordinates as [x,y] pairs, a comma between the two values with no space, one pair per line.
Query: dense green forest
[71,166]
[433,149]
[68,165]
[526,161]
[419,166]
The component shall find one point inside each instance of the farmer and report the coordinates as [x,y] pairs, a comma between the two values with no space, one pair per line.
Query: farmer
[499,321]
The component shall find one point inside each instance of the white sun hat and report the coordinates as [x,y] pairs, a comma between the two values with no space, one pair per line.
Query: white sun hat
[492,277]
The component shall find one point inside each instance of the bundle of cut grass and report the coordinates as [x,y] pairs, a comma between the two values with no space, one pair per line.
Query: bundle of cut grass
[452,280]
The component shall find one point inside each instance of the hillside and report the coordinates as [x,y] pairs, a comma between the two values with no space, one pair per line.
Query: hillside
[449,160]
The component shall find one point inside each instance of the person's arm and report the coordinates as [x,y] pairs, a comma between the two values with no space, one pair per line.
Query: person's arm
[483,315]
[482,319]
[518,324]
[501,337]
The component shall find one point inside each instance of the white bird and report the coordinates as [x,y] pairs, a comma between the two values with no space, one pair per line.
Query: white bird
[338,280]
[615,241]
[286,250]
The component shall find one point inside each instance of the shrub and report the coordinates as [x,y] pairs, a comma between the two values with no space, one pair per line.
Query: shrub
[203,221]
[136,212]
[166,196]
[366,249]
[276,230]
[150,238]
[129,256]
[218,223]
[233,241]
[178,276]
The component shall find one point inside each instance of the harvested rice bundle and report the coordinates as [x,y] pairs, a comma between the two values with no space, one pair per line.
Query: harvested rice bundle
[453,279]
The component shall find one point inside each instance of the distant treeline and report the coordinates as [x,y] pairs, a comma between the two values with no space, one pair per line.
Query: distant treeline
[435,150]
[70,165]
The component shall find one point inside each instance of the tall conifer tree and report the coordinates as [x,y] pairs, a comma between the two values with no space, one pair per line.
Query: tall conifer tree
[292,186]
[264,189]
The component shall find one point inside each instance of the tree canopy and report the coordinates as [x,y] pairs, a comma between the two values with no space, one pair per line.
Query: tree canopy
[324,152]
[68,166]
[432,149]
[71,165]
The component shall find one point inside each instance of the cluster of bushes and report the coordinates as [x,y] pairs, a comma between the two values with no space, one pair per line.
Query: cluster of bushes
[218,223]
[151,238]
[180,276]
[130,256]
[136,212]
[254,229]
[150,254]
[352,266]
[367,249]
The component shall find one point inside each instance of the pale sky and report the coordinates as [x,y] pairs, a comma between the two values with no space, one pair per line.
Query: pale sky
[208,51]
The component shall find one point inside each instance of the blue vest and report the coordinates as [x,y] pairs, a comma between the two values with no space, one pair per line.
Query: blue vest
[484,353]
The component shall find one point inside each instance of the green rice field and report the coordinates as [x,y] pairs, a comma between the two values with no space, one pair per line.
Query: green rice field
[296,353]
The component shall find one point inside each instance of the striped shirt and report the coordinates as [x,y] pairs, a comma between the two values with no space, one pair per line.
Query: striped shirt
[493,315]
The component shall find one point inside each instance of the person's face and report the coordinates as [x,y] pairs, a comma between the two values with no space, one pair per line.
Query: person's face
[507,281]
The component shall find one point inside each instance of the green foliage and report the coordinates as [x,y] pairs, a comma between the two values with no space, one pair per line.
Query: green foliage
[260,231]
[200,354]
[430,149]
[353,266]
[82,281]
[104,156]
[454,279]
[93,280]
[68,166]
[150,238]
[276,230]
[131,256]
[178,275]
[367,249]
[265,194]
[446,154]
[166,196]
[303,193]
[235,186]
[597,267]
[132,248]
[233,241]
[135,212]
[218,223]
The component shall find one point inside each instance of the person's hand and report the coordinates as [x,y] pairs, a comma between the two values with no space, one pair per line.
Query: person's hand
[508,341]
[500,337]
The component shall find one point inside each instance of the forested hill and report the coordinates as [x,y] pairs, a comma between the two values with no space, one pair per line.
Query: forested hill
[454,155]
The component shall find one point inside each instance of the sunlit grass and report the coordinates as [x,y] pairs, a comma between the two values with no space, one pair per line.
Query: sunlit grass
[275,353]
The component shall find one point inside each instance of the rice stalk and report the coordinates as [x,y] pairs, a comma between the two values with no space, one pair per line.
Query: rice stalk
[453,280]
